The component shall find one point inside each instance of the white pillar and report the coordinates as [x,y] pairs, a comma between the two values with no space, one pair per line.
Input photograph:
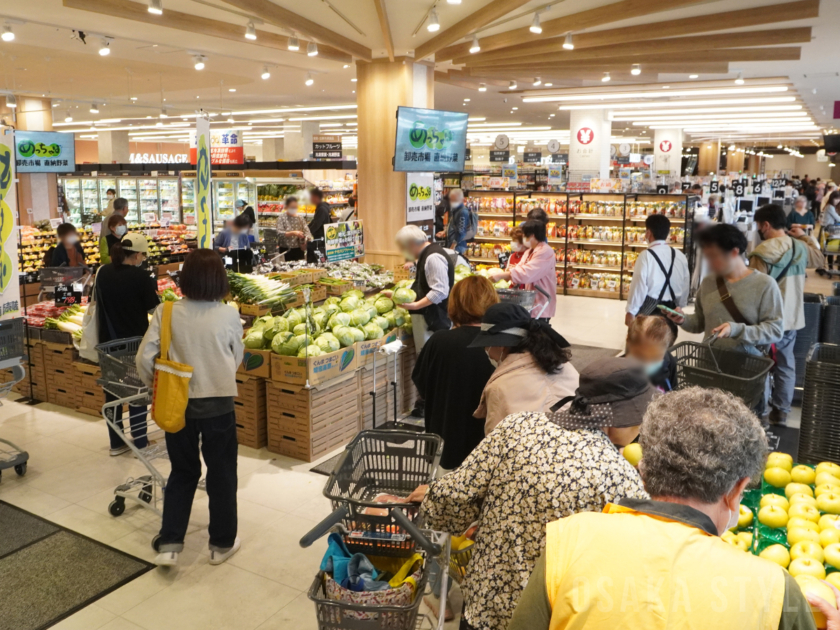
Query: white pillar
[667,152]
[297,143]
[589,145]
[113,147]
[273,149]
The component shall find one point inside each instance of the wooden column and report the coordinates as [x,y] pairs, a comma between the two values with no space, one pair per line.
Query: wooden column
[37,192]
[382,86]
[709,158]
[735,161]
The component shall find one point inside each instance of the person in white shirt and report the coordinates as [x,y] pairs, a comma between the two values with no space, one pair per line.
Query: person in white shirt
[660,275]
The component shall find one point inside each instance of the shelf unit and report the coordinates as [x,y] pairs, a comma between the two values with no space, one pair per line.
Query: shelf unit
[609,256]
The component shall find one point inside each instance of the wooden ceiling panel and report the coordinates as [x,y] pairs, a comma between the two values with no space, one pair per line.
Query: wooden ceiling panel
[382,14]
[596,71]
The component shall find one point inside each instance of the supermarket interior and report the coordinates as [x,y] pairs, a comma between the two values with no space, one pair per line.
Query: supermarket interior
[375,315]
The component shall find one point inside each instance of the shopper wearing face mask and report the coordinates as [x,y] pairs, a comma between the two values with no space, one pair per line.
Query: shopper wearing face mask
[117,206]
[532,364]
[117,228]
[68,252]
[110,195]
[517,248]
[648,340]
[784,256]
[292,231]
[125,294]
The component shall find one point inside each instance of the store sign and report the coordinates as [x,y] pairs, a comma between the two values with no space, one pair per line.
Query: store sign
[714,187]
[510,172]
[227,145]
[559,158]
[757,188]
[419,203]
[202,183]
[499,156]
[532,157]
[430,140]
[326,147]
[555,176]
[159,158]
[44,152]
[739,189]
[9,280]
[589,143]
[684,186]
[344,241]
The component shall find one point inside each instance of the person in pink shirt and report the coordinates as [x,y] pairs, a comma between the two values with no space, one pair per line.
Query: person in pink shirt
[536,270]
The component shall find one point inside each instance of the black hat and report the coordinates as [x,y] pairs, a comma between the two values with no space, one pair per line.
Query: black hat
[613,392]
[506,325]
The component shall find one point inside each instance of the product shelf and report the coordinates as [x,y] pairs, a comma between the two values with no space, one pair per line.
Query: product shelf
[592,293]
[595,242]
[595,267]
[596,217]
[642,220]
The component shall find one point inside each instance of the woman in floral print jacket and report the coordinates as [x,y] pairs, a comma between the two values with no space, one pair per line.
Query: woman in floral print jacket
[528,472]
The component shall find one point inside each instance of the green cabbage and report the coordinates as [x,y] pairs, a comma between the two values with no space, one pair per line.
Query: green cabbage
[400,316]
[391,318]
[384,304]
[339,319]
[328,343]
[300,329]
[407,327]
[320,320]
[279,325]
[359,317]
[293,318]
[263,322]
[331,300]
[382,322]
[372,331]
[358,333]
[403,296]
[311,351]
[330,310]
[254,340]
[405,284]
[284,343]
[345,336]
[353,292]
[350,303]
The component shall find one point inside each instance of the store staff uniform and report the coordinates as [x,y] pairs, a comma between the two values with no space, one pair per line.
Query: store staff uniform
[435,278]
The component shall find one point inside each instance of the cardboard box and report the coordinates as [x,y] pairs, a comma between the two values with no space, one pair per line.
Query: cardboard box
[256,363]
[90,401]
[59,354]
[310,449]
[367,348]
[338,289]
[401,274]
[316,370]
[163,270]
[254,309]
[250,407]
[294,278]
[87,374]
[62,395]
[61,378]
[316,294]
[317,274]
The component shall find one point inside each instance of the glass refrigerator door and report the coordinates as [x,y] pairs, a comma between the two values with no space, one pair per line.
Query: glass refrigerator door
[149,200]
[188,201]
[225,201]
[248,192]
[73,195]
[90,196]
[127,189]
[104,185]
[169,199]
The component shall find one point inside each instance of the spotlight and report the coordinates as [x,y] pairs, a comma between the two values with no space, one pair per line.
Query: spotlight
[779,146]
[537,82]
[740,79]
[512,85]
[693,76]
[482,87]
[265,73]
[199,62]
[68,118]
[309,79]
[156,7]
[434,24]
[294,43]
[11,101]
[8,35]
[636,70]
[475,46]
[606,77]
[250,31]
[535,25]
[568,44]
[104,49]
[548,84]
[163,113]
[312,49]
[94,109]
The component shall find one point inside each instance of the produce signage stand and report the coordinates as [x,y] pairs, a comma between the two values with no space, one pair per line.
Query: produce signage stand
[596,236]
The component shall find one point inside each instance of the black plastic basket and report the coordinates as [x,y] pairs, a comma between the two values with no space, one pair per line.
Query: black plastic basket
[830,321]
[119,372]
[382,462]
[12,339]
[741,374]
[819,433]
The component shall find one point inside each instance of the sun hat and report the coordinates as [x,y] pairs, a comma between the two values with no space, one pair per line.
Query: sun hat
[135,243]
[506,325]
[613,392]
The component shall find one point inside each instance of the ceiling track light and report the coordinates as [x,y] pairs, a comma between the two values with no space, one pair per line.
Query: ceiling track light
[8,35]
[69,117]
[606,77]
[163,113]
[265,73]
[250,31]
[568,44]
[104,48]
[535,27]
[199,62]
[537,81]
[309,79]
[693,76]
[294,43]
[11,101]
[740,79]
[482,87]
[512,85]
[475,46]
[94,109]
[156,7]
[636,70]
[312,49]
[434,23]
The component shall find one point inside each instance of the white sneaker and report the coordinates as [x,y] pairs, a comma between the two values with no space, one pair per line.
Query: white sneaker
[217,557]
[167,559]
[119,450]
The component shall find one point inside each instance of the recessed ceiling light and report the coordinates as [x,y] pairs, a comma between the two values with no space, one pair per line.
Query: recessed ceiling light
[68,118]
[346,65]
[434,23]
[636,70]
[537,81]
[739,80]
[8,35]
[568,44]
[548,84]
[482,87]
[250,31]
[666,87]
[466,100]
[231,89]
[475,46]
[294,43]
[606,77]
[133,98]
[354,79]
[535,25]
[93,108]
[512,85]
[693,76]
[156,7]
[514,108]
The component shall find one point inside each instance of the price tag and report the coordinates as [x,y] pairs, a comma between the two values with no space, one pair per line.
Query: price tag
[757,188]
[739,189]
[228,260]
[714,187]
[662,189]
[66,295]
[685,186]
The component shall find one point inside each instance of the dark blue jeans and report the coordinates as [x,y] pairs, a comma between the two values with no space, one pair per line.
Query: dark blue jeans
[136,423]
[217,437]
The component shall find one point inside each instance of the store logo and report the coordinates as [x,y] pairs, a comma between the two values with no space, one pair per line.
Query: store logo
[585,135]
[158,158]
[665,146]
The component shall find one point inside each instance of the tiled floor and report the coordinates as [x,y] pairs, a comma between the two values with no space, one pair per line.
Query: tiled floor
[71,480]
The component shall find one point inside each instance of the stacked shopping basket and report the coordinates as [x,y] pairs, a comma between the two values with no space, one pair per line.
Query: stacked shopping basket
[819,433]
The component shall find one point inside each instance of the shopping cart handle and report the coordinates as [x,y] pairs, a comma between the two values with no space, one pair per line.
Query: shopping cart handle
[324,526]
[403,521]
[536,288]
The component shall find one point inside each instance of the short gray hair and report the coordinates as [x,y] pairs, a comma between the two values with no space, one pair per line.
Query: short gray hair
[697,443]
[456,192]
[410,235]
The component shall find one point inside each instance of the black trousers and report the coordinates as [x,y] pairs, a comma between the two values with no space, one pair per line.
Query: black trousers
[219,449]
[294,253]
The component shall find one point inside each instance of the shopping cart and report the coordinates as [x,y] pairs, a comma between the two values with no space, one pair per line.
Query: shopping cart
[53,276]
[741,374]
[11,357]
[830,244]
[120,378]
[525,298]
[380,462]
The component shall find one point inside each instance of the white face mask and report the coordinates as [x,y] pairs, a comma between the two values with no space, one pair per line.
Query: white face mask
[292,212]
[120,230]
[532,243]
[110,196]
[516,247]
[493,361]
[733,519]
[72,239]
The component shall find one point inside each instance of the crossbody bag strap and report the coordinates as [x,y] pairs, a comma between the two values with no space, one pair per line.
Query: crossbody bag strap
[166,330]
[729,303]
[784,271]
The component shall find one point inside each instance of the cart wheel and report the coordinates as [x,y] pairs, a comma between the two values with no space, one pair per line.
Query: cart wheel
[117,506]
[146,494]
[20,469]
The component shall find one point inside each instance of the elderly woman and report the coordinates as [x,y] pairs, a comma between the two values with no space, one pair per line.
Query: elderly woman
[532,469]
[659,562]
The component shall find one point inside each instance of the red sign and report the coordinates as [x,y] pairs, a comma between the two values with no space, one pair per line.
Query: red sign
[585,135]
[665,146]
[222,155]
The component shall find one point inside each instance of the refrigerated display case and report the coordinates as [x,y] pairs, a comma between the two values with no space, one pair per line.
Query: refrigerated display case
[224,200]
[188,200]
[106,183]
[248,192]
[149,198]
[73,195]
[170,198]
[90,196]
[127,189]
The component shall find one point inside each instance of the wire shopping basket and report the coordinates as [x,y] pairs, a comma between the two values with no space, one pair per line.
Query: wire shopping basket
[119,371]
[741,374]
[524,298]
[12,347]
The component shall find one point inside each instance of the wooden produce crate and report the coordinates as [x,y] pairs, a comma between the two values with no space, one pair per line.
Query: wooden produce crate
[401,274]
[307,423]
[250,404]
[254,310]
[338,289]
[294,278]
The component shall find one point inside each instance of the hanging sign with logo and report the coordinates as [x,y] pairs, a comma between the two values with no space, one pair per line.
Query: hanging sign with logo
[419,203]
[510,172]
[227,145]
[9,279]
[203,217]
[499,156]
[430,140]
[555,176]
[44,152]
[344,241]
[326,147]
[532,157]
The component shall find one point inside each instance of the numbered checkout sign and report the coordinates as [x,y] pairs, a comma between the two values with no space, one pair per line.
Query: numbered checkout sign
[662,189]
[714,187]
[739,188]
[757,188]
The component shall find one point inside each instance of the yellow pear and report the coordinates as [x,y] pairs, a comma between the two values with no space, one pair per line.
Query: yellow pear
[829,537]
[807,548]
[812,586]
[801,497]
[798,534]
[829,502]
[798,521]
[802,510]
[774,499]
[833,579]
[793,488]
[807,566]
[803,474]
[829,467]
[825,488]
[747,537]
[729,536]
[633,453]
[780,460]
[745,516]
[778,554]
[824,477]
[772,516]
[828,521]
[832,555]
[777,477]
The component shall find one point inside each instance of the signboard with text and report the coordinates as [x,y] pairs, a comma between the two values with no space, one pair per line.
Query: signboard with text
[344,241]
[499,156]
[202,184]
[326,147]
[532,157]
[228,147]
[430,140]
[419,203]
[44,152]
[9,280]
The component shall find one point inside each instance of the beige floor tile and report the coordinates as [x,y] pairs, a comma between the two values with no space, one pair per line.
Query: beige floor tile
[31,499]
[210,598]
[299,614]
[79,480]
[47,453]
[279,488]
[98,525]
[92,435]
[120,624]
[134,514]
[88,618]
[253,520]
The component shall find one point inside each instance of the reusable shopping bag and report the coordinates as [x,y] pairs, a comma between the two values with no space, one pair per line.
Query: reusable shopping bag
[172,381]
[90,327]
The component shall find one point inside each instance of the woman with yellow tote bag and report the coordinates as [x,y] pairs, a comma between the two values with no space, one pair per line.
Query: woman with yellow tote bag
[191,361]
